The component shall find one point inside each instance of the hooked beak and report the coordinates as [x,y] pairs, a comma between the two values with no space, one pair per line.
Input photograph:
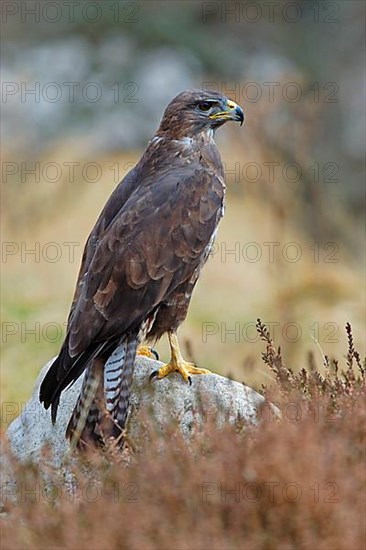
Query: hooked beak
[232,111]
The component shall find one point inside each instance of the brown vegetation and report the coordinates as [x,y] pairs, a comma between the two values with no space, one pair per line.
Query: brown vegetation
[294,482]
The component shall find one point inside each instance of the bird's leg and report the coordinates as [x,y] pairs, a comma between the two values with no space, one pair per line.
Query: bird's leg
[146,351]
[177,363]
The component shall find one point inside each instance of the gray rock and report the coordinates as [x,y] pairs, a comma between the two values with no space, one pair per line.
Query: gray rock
[154,405]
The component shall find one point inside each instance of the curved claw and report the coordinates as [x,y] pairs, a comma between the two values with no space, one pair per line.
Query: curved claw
[146,351]
[194,370]
[153,375]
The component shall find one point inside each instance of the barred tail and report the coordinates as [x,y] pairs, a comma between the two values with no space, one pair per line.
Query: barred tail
[118,373]
[83,427]
[102,407]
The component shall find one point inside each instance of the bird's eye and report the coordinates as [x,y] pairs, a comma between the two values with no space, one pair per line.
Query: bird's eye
[204,106]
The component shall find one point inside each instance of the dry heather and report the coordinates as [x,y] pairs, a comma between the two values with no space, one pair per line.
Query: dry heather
[295,482]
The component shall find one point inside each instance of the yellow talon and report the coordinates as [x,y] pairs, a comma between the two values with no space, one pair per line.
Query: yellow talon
[146,351]
[177,363]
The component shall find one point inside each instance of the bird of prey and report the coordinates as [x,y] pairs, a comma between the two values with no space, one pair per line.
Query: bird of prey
[140,265]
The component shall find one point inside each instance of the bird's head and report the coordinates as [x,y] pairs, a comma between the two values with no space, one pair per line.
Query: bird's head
[193,112]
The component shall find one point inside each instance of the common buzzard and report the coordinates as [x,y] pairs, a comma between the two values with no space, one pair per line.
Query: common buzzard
[140,265]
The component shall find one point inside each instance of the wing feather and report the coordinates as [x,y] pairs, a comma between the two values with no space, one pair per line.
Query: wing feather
[151,247]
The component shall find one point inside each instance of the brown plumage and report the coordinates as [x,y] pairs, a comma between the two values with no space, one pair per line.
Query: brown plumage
[141,262]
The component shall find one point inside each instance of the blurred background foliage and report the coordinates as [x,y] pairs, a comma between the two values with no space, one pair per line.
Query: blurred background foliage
[148,52]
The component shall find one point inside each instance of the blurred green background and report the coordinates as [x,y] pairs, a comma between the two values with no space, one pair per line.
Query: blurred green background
[84,85]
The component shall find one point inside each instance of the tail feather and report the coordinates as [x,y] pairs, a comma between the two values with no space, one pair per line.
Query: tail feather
[64,371]
[102,407]
[118,372]
[83,425]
